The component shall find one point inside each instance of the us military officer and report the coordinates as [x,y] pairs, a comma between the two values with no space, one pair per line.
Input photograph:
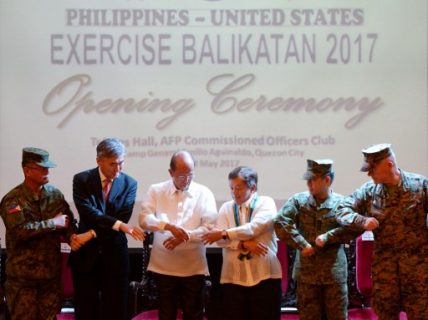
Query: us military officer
[394,206]
[36,216]
[307,222]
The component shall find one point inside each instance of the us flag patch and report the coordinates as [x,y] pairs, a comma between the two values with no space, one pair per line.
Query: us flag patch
[14,208]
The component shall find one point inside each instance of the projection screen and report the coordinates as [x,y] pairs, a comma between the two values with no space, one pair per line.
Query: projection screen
[267,84]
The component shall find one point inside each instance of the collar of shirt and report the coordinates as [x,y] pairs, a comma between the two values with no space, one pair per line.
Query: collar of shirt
[328,203]
[102,176]
[247,203]
[404,184]
[29,194]
[172,189]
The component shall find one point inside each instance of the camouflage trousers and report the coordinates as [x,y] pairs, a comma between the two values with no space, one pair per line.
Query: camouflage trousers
[322,302]
[33,299]
[400,282]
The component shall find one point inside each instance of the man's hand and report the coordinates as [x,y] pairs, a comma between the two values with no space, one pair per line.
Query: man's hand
[172,242]
[308,251]
[371,224]
[321,240]
[79,240]
[134,231]
[61,221]
[177,232]
[211,236]
[255,247]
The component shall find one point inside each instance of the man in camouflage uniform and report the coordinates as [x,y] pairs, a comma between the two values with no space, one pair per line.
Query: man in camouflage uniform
[307,222]
[395,207]
[36,216]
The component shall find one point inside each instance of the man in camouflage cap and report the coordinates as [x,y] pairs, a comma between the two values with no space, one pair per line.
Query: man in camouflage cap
[36,216]
[307,222]
[394,206]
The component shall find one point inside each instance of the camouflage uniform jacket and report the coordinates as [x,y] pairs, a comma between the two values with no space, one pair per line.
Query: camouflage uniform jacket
[299,222]
[401,212]
[33,244]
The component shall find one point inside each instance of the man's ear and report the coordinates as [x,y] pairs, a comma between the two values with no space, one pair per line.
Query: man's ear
[25,170]
[328,179]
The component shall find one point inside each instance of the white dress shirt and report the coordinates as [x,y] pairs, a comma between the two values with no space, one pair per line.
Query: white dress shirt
[249,272]
[194,210]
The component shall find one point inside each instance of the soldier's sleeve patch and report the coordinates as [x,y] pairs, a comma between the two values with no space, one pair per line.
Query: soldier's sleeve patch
[14,208]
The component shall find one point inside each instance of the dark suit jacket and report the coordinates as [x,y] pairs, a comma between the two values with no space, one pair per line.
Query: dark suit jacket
[110,245]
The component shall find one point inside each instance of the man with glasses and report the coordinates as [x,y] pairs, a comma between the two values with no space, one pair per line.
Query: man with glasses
[104,197]
[36,217]
[394,206]
[179,211]
[251,272]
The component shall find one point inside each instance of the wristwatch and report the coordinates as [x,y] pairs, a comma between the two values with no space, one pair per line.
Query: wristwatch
[224,235]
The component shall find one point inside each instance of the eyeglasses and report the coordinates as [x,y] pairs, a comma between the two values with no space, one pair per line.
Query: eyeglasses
[184,177]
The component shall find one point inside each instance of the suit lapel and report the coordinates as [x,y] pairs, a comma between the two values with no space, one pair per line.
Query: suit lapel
[95,182]
[115,188]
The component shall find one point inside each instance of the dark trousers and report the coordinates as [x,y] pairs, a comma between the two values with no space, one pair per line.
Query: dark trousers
[186,292]
[99,295]
[262,301]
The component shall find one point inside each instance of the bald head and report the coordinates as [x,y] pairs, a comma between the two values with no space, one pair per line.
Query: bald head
[181,169]
[181,158]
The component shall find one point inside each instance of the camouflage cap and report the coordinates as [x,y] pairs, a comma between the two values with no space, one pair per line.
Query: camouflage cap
[374,154]
[318,168]
[37,156]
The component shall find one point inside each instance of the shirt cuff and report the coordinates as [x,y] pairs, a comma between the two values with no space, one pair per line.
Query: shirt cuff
[51,224]
[162,225]
[193,236]
[232,234]
[116,225]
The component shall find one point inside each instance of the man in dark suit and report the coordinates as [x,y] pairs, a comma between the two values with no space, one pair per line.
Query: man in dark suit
[104,197]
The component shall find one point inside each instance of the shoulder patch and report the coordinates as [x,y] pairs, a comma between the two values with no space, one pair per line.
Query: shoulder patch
[14,208]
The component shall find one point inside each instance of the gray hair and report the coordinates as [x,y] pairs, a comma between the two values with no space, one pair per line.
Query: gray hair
[110,147]
[249,175]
